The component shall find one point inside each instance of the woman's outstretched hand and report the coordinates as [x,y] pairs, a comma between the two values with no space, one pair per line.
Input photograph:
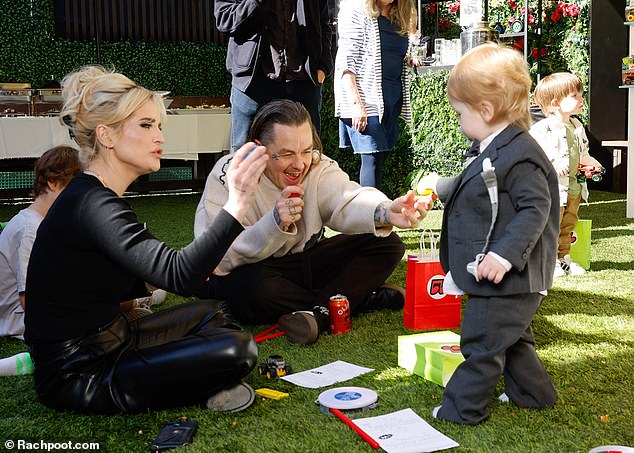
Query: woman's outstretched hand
[243,177]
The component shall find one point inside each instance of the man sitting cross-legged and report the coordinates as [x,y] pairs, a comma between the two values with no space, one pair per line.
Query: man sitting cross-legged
[281,267]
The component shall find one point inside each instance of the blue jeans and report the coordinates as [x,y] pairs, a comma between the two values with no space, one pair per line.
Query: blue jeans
[263,90]
[243,110]
[371,171]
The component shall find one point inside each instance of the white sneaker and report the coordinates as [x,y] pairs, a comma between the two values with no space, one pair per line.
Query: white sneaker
[559,271]
[158,297]
[136,313]
[434,412]
[570,267]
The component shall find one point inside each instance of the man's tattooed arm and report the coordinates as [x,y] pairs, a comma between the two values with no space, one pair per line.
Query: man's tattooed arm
[276,216]
[382,214]
[278,219]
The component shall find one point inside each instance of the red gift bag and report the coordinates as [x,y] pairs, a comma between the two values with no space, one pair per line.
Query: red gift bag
[426,305]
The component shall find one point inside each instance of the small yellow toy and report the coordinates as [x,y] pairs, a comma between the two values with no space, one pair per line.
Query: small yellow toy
[270,394]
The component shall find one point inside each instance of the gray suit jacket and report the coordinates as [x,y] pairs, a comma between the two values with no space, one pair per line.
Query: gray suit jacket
[527,226]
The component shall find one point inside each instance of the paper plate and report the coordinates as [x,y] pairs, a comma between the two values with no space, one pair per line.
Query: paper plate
[347,398]
[612,448]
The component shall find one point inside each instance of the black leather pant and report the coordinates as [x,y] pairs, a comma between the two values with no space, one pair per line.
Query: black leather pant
[173,358]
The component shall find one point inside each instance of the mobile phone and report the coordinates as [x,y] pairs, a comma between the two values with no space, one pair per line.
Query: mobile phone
[174,435]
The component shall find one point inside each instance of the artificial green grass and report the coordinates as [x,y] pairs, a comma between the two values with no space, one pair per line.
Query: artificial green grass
[584,333]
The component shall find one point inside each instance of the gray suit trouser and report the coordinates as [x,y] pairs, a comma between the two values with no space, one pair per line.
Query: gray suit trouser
[497,339]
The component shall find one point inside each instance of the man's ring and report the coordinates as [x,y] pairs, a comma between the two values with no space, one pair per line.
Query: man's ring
[292,210]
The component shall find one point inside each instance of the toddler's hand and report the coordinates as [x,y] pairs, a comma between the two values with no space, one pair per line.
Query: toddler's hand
[491,269]
[427,183]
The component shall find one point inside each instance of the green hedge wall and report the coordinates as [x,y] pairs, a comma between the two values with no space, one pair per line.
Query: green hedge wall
[433,142]
[32,53]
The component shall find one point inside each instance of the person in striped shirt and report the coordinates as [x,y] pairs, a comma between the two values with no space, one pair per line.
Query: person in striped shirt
[371,84]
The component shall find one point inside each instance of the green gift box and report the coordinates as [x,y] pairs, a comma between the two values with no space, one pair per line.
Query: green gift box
[431,355]
[580,243]
[440,361]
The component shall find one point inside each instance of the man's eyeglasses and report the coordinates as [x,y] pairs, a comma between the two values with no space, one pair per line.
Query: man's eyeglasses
[288,156]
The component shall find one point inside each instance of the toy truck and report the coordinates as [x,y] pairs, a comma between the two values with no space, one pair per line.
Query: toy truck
[590,172]
[275,366]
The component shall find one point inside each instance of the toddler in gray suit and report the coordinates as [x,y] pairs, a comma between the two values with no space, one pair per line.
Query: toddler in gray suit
[499,236]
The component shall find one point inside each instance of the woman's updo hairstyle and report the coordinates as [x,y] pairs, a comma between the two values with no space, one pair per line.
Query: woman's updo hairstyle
[94,95]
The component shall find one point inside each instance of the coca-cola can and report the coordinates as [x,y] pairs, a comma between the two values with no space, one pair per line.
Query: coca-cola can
[339,314]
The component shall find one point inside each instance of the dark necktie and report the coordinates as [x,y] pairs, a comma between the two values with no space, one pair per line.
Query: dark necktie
[471,153]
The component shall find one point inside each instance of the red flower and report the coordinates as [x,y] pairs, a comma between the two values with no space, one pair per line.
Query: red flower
[510,20]
[555,17]
[432,8]
[531,19]
[512,4]
[454,7]
[534,52]
[573,10]
[519,44]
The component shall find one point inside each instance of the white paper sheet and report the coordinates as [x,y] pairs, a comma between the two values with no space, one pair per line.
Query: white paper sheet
[404,432]
[326,375]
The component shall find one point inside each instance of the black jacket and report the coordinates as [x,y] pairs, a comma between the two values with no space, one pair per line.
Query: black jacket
[243,21]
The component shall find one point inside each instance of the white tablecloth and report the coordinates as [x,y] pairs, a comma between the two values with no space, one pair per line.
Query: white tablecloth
[185,135]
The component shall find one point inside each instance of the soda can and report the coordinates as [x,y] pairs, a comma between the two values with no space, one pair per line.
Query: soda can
[339,314]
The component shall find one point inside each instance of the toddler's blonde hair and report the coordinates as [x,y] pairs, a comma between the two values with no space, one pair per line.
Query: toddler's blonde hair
[497,74]
[556,87]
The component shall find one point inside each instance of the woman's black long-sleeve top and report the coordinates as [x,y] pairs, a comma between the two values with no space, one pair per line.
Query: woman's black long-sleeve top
[91,253]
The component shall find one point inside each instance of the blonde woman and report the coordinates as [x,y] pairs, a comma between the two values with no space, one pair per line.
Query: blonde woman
[371,83]
[88,357]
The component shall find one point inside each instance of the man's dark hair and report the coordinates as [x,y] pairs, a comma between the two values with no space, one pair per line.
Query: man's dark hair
[286,113]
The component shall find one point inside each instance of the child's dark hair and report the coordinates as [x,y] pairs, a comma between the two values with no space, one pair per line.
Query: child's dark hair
[556,86]
[59,164]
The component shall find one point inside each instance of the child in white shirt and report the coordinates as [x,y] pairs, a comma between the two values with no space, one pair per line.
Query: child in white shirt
[564,140]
